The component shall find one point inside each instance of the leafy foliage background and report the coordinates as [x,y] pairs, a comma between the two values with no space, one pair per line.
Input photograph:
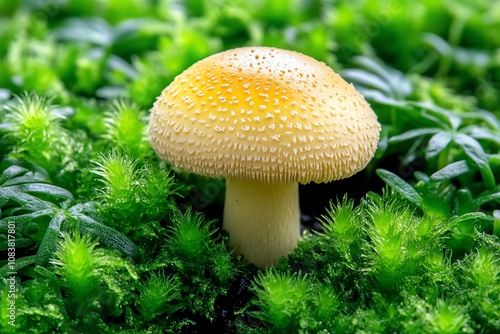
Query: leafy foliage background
[110,239]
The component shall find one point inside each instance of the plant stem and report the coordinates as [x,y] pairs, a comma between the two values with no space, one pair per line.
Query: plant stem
[455,33]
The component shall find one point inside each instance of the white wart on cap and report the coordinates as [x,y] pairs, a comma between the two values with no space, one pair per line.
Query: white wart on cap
[268,117]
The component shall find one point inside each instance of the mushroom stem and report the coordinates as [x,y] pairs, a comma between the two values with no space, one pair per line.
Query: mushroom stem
[263,219]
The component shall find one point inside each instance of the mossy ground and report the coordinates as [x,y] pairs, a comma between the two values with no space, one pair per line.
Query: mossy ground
[98,235]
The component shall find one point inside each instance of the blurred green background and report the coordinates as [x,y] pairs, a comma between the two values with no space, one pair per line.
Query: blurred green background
[105,48]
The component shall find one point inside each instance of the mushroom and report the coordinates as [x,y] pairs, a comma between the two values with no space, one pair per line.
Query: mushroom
[265,119]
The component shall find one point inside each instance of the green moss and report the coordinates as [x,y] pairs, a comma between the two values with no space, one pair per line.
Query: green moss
[159,295]
[79,263]
[394,274]
[126,129]
[418,256]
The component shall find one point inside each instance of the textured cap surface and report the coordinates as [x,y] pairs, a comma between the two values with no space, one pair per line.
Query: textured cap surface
[264,113]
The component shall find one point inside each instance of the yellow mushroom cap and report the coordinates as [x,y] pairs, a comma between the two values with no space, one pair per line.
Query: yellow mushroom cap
[265,114]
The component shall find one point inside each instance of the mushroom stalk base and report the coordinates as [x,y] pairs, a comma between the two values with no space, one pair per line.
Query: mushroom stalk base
[262,219]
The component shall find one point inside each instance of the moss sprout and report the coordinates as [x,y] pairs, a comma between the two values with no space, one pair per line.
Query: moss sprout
[35,130]
[159,295]
[135,198]
[294,303]
[125,125]
[79,263]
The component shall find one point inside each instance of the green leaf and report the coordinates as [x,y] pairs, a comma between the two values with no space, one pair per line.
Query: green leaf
[496,223]
[367,79]
[11,172]
[44,189]
[50,240]
[494,161]
[452,170]
[19,264]
[108,236]
[438,43]
[468,216]
[397,80]
[485,134]
[27,201]
[484,116]
[486,198]
[401,186]
[413,134]
[438,143]
[464,202]
[91,30]
[474,150]
[22,220]
[438,114]
[29,177]
[379,97]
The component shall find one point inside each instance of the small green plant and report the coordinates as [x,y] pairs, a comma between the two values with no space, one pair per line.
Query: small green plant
[447,317]
[454,135]
[38,212]
[117,172]
[35,130]
[89,280]
[293,304]
[481,274]
[126,129]
[80,264]
[464,212]
[85,285]
[135,198]
[159,295]
[438,197]
[392,272]
[379,82]
[193,253]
